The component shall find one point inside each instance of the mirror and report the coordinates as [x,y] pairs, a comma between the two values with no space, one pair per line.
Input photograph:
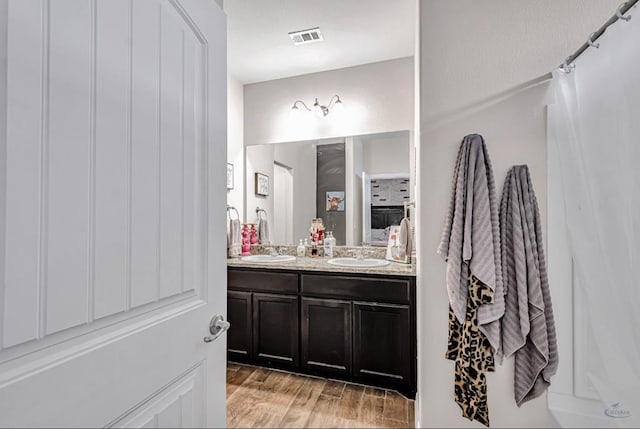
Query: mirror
[356,184]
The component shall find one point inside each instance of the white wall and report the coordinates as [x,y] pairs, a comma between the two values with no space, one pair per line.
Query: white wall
[514,131]
[387,153]
[377,97]
[235,142]
[259,159]
[354,166]
[301,158]
[504,44]
[468,83]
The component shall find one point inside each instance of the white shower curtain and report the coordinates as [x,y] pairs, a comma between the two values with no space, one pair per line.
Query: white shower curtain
[595,123]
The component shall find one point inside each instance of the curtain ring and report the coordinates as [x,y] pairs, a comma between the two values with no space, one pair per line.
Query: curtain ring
[591,43]
[619,14]
[566,66]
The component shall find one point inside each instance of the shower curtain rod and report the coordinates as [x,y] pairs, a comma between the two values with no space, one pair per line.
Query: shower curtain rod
[624,8]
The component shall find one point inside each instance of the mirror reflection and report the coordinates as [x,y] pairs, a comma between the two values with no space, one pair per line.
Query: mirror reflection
[357,185]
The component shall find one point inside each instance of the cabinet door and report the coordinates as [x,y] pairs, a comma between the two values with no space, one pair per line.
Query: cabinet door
[378,220]
[275,329]
[381,344]
[326,335]
[240,316]
[394,217]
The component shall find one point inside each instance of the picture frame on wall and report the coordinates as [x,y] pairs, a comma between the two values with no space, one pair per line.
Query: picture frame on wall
[229,175]
[261,184]
[335,201]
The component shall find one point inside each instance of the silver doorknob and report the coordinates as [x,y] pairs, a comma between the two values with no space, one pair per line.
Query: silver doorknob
[217,327]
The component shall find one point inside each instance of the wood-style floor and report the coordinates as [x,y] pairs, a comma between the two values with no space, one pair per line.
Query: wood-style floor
[258,397]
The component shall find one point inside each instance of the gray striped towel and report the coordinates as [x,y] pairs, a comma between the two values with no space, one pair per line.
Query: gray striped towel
[234,238]
[471,237]
[263,231]
[528,330]
[405,240]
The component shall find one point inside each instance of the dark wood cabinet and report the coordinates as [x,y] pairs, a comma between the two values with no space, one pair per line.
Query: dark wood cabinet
[326,335]
[275,329]
[358,327]
[240,316]
[382,343]
[385,216]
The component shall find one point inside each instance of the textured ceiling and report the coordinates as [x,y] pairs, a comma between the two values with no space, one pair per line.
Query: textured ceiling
[355,32]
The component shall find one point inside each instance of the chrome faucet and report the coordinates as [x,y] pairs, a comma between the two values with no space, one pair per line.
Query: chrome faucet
[360,253]
[273,250]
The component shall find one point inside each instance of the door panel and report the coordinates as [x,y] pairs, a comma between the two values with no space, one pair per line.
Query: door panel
[326,335]
[111,192]
[275,328]
[171,169]
[91,250]
[240,317]
[175,407]
[109,161]
[65,167]
[381,342]
[145,154]
[21,188]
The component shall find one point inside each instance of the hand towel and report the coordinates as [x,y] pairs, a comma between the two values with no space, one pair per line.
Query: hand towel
[404,240]
[528,329]
[263,231]
[470,242]
[234,238]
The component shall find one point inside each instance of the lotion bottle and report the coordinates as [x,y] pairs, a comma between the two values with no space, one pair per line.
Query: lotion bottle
[301,250]
[329,242]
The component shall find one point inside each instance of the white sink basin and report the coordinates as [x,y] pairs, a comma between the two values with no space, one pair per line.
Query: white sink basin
[268,259]
[353,262]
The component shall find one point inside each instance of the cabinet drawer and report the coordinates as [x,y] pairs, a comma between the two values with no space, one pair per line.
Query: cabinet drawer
[359,288]
[261,281]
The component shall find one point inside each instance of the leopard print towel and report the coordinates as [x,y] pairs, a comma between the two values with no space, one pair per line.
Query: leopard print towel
[472,352]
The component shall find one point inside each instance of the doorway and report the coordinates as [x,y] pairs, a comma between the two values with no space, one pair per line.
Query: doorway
[282,204]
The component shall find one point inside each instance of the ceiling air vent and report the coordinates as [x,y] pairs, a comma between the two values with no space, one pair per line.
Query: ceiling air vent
[306,36]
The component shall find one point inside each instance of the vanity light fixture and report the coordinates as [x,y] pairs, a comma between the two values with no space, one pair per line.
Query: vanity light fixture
[320,110]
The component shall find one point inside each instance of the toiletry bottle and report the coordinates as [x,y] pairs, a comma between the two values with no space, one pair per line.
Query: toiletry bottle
[301,250]
[332,244]
[328,245]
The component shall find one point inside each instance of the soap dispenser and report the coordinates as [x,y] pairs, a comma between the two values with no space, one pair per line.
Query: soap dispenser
[301,250]
[329,242]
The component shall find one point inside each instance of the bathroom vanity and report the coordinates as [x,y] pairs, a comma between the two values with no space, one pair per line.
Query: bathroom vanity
[356,324]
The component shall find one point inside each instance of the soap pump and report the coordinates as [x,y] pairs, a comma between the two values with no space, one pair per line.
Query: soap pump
[301,250]
[329,243]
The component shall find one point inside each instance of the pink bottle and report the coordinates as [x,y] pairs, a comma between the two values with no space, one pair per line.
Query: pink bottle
[253,235]
[246,247]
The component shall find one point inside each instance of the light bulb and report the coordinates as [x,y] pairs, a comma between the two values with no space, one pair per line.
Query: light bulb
[295,112]
[317,109]
[338,107]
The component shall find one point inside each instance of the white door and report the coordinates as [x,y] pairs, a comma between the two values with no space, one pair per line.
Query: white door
[282,205]
[112,237]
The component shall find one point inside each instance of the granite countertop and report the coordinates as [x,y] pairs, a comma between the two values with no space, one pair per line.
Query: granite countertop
[320,264]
